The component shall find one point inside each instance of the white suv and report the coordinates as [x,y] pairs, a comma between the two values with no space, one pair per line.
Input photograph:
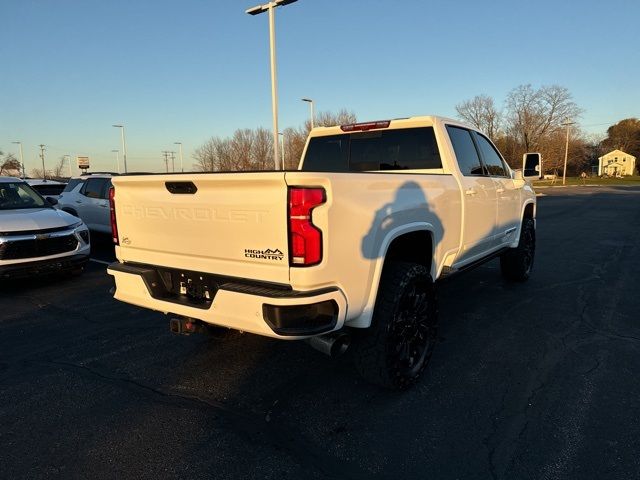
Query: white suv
[35,237]
[87,197]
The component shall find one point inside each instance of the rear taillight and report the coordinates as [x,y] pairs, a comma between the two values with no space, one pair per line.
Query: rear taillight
[112,208]
[305,239]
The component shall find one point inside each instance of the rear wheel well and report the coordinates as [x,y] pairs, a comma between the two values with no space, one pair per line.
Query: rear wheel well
[413,247]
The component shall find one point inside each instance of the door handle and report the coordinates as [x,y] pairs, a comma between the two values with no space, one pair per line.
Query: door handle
[470,191]
[78,201]
[499,190]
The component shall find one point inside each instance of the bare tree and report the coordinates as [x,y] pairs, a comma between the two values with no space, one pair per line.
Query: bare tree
[213,155]
[241,149]
[481,112]
[532,114]
[625,136]
[253,149]
[262,155]
[9,165]
[58,170]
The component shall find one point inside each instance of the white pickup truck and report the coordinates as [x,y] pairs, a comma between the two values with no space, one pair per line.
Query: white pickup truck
[344,250]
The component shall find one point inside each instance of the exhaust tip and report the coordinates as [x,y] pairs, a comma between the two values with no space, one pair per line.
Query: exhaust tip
[333,344]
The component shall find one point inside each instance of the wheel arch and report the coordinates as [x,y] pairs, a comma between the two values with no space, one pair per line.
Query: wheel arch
[401,244]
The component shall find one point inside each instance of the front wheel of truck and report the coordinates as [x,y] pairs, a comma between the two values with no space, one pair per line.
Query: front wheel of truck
[516,264]
[396,348]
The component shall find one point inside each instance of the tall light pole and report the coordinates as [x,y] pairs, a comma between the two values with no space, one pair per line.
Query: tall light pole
[117,152]
[21,157]
[124,146]
[566,153]
[69,157]
[308,100]
[269,7]
[44,174]
[180,153]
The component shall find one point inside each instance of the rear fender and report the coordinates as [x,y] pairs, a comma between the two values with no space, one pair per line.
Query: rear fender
[364,319]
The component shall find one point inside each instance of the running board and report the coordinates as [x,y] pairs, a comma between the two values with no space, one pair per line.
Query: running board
[448,272]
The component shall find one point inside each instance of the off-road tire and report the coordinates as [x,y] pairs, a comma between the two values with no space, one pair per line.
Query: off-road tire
[516,264]
[397,347]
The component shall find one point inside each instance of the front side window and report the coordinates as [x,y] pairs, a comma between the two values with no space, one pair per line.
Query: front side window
[397,149]
[491,157]
[19,195]
[465,150]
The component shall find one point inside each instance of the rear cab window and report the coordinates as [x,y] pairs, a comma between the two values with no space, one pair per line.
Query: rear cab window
[379,150]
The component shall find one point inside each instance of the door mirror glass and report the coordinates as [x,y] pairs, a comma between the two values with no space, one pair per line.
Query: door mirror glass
[532,165]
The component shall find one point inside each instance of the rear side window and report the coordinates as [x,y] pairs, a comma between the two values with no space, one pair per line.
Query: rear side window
[94,187]
[465,149]
[400,149]
[72,184]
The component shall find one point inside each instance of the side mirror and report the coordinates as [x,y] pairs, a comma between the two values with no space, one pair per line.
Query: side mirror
[51,201]
[532,166]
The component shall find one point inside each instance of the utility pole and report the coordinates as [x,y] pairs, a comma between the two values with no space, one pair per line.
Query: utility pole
[180,149]
[166,159]
[566,152]
[44,175]
[173,161]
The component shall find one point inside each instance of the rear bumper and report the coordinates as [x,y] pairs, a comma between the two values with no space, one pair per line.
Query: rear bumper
[272,311]
[43,267]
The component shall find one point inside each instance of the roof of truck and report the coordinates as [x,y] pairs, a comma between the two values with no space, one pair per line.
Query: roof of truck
[406,122]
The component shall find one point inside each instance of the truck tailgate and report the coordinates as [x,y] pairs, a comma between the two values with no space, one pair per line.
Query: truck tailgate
[232,224]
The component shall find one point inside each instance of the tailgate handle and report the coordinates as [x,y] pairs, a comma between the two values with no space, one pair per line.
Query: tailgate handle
[181,187]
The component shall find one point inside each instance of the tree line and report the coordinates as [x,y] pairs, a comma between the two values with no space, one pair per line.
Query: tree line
[536,120]
[252,149]
[531,120]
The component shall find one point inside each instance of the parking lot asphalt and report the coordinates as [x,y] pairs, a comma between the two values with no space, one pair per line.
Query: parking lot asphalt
[534,380]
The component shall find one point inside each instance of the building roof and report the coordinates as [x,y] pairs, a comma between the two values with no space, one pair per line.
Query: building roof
[619,153]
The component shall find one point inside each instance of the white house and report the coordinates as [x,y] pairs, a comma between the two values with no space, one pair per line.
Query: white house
[616,163]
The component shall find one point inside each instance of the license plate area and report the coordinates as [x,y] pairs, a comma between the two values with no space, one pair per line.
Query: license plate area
[180,286]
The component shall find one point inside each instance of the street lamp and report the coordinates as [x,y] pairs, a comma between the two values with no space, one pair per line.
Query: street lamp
[69,157]
[21,159]
[180,153]
[269,7]
[566,152]
[124,146]
[308,100]
[117,152]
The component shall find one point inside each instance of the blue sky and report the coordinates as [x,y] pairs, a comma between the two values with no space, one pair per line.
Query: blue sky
[187,70]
